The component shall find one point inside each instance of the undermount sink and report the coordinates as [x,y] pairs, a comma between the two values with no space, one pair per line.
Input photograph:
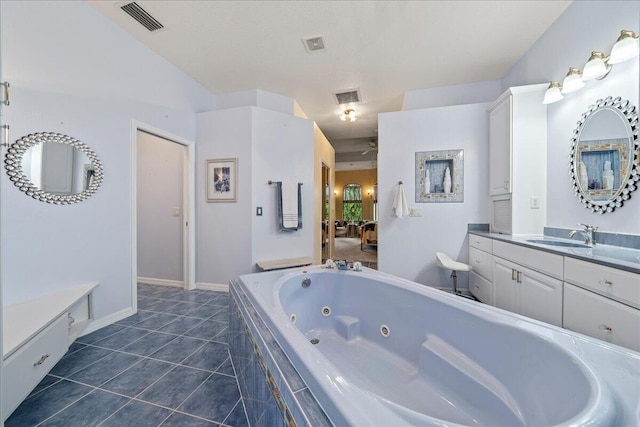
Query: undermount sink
[558,243]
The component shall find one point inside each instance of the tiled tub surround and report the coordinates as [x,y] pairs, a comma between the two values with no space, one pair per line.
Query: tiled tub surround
[272,391]
[390,352]
[166,365]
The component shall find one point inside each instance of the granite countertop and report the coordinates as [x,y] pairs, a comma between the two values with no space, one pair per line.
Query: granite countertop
[611,256]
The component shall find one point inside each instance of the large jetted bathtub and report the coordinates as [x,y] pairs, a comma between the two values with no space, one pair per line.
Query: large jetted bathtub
[376,350]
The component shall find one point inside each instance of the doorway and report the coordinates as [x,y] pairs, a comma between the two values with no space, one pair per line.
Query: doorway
[325,214]
[163,200]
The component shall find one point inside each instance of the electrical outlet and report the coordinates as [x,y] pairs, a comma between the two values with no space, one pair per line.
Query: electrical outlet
[415,212]
[534,202]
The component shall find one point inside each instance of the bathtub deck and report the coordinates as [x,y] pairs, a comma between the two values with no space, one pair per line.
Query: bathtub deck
[374,368]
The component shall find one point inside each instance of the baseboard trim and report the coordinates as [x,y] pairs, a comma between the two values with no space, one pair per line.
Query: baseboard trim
[212,287]
[161,282]
[108,320]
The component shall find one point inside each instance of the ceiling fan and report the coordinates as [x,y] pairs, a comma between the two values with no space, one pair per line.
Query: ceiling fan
[373,145]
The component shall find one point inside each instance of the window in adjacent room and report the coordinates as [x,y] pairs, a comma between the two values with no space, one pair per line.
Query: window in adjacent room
[352,202]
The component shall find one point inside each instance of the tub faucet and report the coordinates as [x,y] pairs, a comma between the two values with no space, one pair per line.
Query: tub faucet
[588,233]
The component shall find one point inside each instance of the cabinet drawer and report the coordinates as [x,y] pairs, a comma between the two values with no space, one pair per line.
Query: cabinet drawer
[479,242]
[535,259]
[620,285]
[481,288]
[24,369]
[480,262]
[601,318]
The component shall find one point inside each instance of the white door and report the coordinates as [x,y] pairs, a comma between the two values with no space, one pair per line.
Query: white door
[161,210]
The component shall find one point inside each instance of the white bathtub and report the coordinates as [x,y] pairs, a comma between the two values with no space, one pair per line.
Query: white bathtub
[391,352]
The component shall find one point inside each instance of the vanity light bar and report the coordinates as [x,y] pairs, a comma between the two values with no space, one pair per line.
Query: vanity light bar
[597,67]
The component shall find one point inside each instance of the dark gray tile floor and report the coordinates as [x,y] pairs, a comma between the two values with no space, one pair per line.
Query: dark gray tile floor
[167,365]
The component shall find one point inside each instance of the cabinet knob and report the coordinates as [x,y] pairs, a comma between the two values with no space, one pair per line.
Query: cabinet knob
[477,262]
[42,359]
[477,287]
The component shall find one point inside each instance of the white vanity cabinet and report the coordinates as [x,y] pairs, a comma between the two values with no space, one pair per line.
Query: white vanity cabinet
[596,300]
[517,160]
[524,291]
[36,334]
[600,317]
[604,303]
[480,278]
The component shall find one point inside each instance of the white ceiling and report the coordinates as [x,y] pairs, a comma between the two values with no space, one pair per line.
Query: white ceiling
[383,48]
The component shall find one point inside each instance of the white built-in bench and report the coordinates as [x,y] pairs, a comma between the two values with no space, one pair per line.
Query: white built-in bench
[35,336]
[284,263]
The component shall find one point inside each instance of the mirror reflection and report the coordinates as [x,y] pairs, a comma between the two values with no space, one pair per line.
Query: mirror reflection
[58,168]
[602,152]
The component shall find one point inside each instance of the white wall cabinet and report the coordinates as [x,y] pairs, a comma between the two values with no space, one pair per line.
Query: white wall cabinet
[517,160]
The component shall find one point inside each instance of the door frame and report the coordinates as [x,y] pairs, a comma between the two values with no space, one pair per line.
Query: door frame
[189,245]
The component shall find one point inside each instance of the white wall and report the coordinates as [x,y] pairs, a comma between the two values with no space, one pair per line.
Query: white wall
[470,93]
[407,246]
[585,26]
[160,190]
[269,145]
[223,237]
[74,72]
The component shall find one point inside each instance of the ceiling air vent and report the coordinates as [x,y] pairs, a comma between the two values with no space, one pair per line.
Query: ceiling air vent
[313,44]
[352,95]
[142,16]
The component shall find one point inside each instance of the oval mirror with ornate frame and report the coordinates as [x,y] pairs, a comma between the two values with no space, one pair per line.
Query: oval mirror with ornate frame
[604,166]
[53,168]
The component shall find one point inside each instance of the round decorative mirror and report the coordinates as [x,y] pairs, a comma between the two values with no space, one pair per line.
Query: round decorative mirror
[604,165]
[53,168]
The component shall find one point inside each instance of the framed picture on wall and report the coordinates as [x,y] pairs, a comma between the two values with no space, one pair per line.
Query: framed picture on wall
[440,176]
[222,180]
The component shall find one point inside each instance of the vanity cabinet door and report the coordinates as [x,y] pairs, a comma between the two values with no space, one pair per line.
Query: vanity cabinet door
[600,317]
[504,289]
[540,296]
[521,290]
[481,288]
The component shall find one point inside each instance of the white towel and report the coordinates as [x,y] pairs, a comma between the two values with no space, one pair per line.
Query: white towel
[400,207]
[290,205]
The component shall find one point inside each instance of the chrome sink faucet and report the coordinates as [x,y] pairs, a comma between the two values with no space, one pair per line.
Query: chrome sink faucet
[588,233]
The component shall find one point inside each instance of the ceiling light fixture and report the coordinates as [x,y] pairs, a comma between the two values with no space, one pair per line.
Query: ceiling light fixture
[553,93]
[573,81]
[626,47]
[349,115]
[597,67]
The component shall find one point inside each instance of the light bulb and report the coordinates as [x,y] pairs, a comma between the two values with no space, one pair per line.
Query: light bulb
[596,67]
[553,93]
[573,81]
[626,47]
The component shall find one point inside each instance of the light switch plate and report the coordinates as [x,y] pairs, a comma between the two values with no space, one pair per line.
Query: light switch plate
[259,211]
[415,212]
